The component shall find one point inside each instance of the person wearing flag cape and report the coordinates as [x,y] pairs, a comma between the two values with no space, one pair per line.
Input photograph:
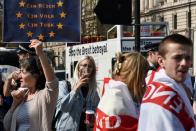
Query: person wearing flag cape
[118,109]
[166,105]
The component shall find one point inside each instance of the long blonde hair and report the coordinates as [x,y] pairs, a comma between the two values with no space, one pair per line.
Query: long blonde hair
[132,69]
[92,82]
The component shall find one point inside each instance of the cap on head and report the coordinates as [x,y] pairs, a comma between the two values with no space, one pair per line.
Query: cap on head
[24,48]
[152,47]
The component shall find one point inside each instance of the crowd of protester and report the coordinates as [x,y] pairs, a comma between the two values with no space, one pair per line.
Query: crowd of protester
[152,93]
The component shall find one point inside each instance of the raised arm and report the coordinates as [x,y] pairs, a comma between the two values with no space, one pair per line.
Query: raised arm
[8,86]
[47,69]
[66,102]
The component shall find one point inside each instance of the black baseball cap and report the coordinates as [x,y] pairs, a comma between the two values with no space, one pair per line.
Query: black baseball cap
[152,47]
[24,48]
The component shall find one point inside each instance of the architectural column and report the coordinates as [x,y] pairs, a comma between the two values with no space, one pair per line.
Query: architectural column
[151,4]
[133,8]
[146,4]
[156,2]
[142,5]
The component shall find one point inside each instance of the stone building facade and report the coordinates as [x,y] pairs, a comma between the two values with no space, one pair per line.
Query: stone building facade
[57,51]
[180,14]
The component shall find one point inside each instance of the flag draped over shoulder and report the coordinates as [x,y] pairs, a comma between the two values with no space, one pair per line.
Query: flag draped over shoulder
[165,106]
[116,110]
[156,75]
[46,20]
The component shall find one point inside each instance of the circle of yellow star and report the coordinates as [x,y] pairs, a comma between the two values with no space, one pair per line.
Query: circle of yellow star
[21,3]
[63,14]
[30,34]
[18,14]
[59,3]
[51,34]
[59,26]
[41,37]
[21,25]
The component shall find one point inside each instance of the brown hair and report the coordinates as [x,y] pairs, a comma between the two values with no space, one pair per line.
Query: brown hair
[132,69]
[174,39]
[31,65]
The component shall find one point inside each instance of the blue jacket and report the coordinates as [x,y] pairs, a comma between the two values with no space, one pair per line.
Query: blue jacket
[69,108]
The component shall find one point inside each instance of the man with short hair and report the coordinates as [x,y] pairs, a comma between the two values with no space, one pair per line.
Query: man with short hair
[166,105]
[152,55]
[152,58]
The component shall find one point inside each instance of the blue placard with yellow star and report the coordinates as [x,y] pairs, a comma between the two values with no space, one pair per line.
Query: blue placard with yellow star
[46,20]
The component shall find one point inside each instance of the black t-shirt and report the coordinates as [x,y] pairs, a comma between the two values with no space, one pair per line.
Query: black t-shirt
[82,126]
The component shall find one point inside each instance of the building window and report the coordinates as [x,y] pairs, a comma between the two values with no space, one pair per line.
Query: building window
[175,0]
[189,19]
[161,19]
[175,21]
[162,2]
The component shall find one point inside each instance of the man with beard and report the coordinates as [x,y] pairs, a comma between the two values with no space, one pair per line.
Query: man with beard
[166,105]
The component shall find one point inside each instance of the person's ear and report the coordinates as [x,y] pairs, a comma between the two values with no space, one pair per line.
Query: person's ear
[161,61]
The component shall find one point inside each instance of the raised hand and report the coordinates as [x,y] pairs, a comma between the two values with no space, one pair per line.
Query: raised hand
[19,95]
[37,45]
[14,75]
[83,80]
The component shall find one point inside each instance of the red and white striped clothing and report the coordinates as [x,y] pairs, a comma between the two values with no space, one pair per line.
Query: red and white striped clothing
[155,74]
[116,110]
[165,106]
